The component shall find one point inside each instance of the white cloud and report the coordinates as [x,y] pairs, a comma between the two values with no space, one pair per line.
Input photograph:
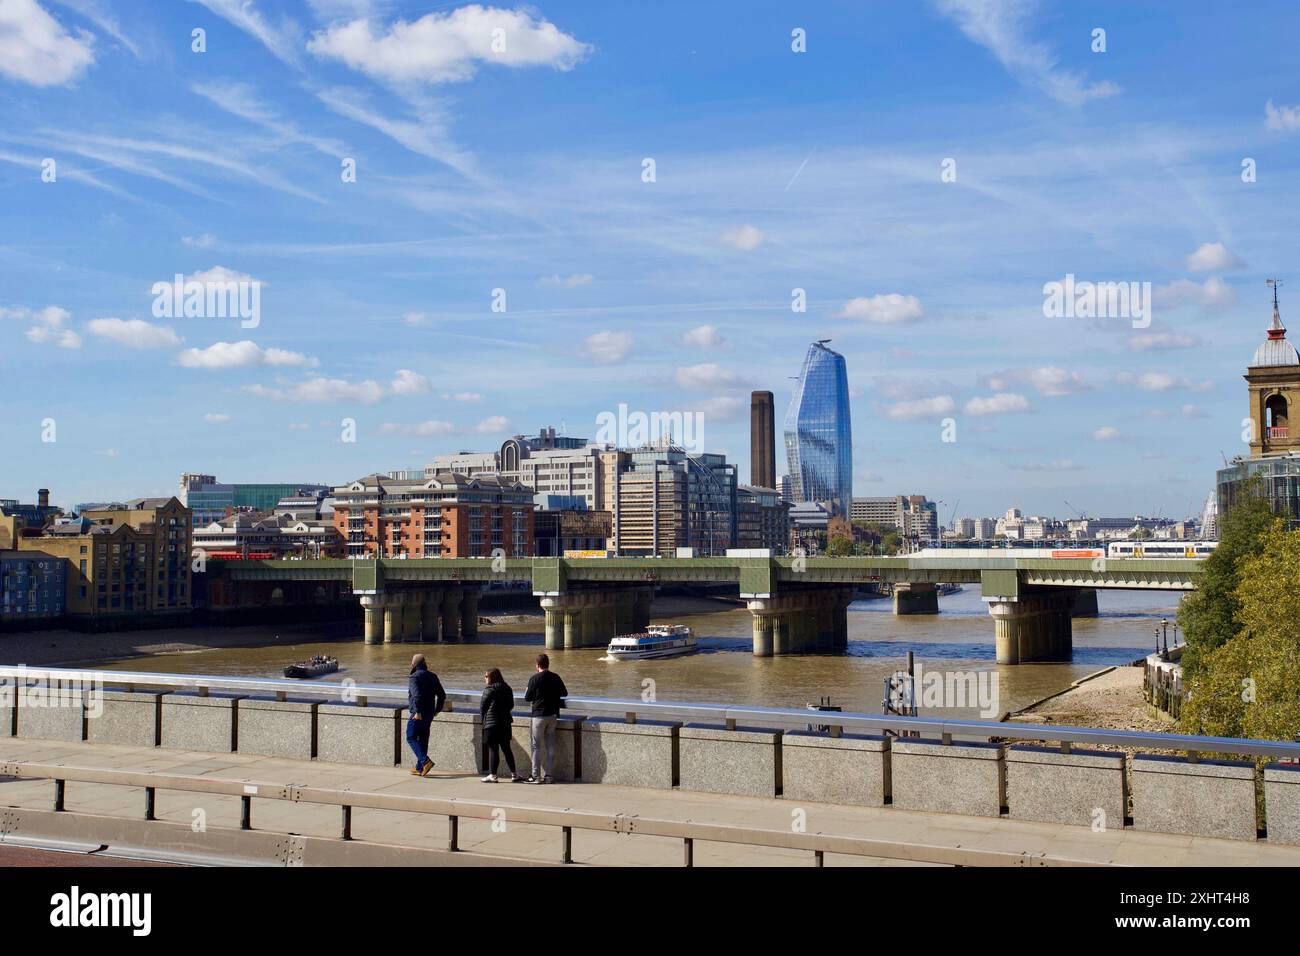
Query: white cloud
[1000,404]
[1213,257]
[1161,382]
[36,49]
[722,408]
[321,390]
[205,241]
[703,337]
[568,282]
[608,348]
[463,397]
[220,275]
[426,429]
[707,376]
[1213,293]
[1281,117]
[280,39]
[414,319]
[493,425]
[1048,380]
[890,307]
[920,408]
[745,237]
[406,382]
[216,418]
[448,47]
[49,326]
[1001,28]
[1160,341]
[1060,464]
[1106,433]
[243,354]
[134,333]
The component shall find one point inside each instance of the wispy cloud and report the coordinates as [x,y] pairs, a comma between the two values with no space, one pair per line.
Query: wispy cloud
[1003,28]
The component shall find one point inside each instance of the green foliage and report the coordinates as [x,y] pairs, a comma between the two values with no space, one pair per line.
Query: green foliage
[839,547]
[1209,617]
[1250,685]
[1141,534]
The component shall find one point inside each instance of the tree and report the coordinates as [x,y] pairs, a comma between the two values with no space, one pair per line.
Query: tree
[1141,534]
[840,547]
[1250,685]
[1209,616]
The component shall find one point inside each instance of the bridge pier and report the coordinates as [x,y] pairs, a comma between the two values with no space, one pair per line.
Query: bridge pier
[430,616]
[1032,627]
[392,619]
[812,621]
[451,615]
[917,597]
[1083,602]
[411,618]
[374,611]
[469,614]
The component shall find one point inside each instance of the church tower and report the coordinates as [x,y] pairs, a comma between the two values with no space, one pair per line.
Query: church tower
[1274,382]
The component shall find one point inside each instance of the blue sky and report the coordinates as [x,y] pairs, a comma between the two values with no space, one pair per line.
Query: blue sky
[522,169]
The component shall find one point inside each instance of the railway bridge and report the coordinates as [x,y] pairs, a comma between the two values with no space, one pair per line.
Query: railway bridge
[798,604]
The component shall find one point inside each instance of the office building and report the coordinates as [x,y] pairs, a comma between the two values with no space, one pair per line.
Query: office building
[762,440]
[210,500]
[563,525]
[168,525]
[447,515]
[818,434]
[762,519]
[663,499]
[548,463]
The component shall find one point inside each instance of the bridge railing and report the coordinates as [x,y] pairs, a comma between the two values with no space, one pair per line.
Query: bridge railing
[727,715]
[566,820]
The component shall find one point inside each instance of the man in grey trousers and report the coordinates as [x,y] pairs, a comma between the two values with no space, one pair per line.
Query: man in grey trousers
[546,692]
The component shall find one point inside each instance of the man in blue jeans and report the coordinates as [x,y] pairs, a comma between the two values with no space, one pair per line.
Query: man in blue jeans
[425,698]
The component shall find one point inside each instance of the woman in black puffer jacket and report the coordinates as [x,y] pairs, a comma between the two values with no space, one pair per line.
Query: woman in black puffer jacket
[498,700]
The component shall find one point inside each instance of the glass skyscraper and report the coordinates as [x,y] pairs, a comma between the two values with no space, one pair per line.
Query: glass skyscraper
[818,436]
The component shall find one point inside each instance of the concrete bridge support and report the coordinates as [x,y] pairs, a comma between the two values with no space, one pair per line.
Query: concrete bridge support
[430,616]
[469,614]
[1083,602]
[812,621]
[451,600]
[594,617]
[411,618]
[916,598]
[374,611]
[393,608]
[1033,627]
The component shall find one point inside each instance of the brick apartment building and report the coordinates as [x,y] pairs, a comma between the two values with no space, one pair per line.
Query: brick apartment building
[446,515]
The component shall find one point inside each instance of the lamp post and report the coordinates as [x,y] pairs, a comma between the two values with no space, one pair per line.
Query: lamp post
[1164,628]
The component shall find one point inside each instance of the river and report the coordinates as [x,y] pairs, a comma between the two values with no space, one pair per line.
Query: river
[959,638]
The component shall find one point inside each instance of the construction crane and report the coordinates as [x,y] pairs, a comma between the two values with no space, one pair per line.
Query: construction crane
[1076,510]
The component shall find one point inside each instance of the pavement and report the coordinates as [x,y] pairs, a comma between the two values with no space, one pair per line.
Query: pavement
[497,836]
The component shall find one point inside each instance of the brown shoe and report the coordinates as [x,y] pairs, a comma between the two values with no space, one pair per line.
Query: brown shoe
[427,768]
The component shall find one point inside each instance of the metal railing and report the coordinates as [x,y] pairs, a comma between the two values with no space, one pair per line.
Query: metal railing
[566,820]
[727,715]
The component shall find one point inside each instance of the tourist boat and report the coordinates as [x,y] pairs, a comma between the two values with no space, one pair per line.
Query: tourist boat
[314,667]
[658,640]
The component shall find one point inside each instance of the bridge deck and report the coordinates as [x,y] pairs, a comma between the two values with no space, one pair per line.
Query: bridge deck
[541,843]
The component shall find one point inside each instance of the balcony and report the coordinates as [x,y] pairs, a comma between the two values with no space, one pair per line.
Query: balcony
[1278,431]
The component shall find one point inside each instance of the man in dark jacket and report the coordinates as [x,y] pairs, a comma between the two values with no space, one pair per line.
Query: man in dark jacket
[546,692]
[425,698]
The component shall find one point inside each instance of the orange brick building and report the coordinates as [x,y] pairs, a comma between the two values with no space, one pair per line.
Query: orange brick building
[448,515]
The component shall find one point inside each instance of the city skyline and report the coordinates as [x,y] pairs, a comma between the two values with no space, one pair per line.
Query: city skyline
[775,171]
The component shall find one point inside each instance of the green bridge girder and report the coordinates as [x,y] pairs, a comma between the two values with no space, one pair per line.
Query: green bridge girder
[754,576]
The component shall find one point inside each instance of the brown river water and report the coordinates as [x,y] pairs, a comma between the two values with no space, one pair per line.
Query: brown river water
[959,638]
